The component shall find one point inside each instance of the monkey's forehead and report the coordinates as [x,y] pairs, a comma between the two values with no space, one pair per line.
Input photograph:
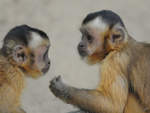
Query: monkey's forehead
[100,25]
[37,40]
[108,16]
[96,23]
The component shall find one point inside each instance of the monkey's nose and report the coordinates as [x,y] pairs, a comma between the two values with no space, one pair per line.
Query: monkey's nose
[81,45]
[82,50]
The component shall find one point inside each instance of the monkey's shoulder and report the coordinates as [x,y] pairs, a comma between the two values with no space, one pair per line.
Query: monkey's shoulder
[4,63]
[145,44]
[144,49]
[8,72]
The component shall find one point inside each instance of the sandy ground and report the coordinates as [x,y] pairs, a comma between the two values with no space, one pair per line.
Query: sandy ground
[61,19]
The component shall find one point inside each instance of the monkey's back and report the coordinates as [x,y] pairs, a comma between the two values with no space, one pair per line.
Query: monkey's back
[11,85]
[139,72]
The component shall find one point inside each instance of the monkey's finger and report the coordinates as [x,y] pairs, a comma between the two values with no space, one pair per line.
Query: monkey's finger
[52,87]
[54,78]
[58,78]
[53,81]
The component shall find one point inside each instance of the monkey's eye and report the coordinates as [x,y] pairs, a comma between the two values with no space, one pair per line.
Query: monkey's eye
[89,38]
[116,36]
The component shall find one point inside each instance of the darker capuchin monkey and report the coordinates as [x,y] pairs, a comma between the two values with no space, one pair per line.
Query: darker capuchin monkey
[125,75]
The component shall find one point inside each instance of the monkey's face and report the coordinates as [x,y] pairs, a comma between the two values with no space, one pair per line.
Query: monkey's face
[99,39]
[37,61]
[29,50]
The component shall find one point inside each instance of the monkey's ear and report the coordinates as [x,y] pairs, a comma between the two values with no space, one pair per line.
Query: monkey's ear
[19,54]
[117,35]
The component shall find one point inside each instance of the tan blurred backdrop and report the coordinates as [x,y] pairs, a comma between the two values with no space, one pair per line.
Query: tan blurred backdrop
[61,20]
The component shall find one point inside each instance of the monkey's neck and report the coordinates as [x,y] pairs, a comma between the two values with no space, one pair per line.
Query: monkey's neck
[13,75]
[120,59]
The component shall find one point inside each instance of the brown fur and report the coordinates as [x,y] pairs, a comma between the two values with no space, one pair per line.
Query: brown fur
[12,78]
[125,63]
[128,63]
[19,58]
[133,106]
[12,82]
[11,85]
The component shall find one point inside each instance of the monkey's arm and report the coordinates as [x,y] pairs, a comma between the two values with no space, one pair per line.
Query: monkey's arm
[92,100]
[18,110]
[79,111]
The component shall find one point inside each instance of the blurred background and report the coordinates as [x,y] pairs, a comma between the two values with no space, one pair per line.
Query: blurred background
[61,20]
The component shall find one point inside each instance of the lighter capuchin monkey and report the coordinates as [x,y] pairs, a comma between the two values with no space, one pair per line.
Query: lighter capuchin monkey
[24,53]
[124,86]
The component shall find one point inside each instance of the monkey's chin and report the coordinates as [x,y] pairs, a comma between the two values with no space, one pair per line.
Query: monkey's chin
[93,60]
[35,75]
[88,61]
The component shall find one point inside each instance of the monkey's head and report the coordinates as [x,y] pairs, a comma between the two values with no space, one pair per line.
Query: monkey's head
[27,48]
[102,33]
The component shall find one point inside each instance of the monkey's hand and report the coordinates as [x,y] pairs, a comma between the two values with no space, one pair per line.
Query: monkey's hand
[58,88]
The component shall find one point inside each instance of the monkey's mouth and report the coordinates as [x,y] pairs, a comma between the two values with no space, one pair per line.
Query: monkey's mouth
[82,53]
[45,70]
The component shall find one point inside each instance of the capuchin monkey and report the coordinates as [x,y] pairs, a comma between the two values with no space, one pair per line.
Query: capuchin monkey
[24,53]
[124,86]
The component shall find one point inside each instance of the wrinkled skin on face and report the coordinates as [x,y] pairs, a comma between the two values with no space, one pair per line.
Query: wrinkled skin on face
[91,45]
[39,61]
[97,43]
[41,58]
[33,61]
